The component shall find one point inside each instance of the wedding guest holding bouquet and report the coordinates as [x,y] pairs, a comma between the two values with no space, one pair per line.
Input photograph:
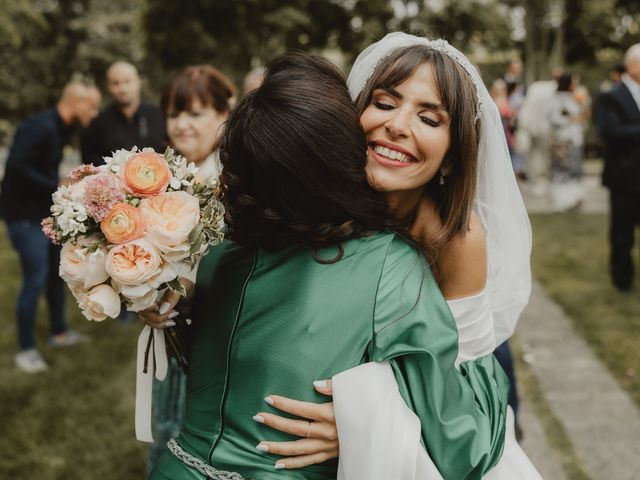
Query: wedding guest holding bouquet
[196,103]
[30,178]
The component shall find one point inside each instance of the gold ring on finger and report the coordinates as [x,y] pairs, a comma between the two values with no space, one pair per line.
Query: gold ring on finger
[308,429]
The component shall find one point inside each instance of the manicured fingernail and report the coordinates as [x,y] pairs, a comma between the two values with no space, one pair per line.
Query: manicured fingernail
[168,323]
[321,384]
[164,308]
[174,314]
[269,400]
[262,447]
[258,418]
[279,466]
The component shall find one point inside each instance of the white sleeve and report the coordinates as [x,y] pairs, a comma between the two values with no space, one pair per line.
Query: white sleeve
[474,320]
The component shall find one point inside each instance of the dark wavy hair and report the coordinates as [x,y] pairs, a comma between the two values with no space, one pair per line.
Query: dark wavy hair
[294,158]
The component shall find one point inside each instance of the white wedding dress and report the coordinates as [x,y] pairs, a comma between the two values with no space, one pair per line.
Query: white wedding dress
[380,437]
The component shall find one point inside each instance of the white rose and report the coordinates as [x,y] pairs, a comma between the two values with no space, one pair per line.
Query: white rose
[170,218]
[100,302]
[81,266]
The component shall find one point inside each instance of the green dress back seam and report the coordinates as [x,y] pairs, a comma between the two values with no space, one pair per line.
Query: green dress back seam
[231,337]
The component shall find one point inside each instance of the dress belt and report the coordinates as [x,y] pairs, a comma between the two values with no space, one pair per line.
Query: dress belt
[197,464]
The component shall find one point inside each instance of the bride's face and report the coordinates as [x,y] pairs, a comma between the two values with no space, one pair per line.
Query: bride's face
[407,130]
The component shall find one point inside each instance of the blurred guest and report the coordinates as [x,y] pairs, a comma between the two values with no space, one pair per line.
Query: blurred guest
[567,118]
[535,130]
[196,104]
[31,177]
[513,74]
[516,96]
[613,79]
[253,80]
[619,117]
[126,122]
[499,94]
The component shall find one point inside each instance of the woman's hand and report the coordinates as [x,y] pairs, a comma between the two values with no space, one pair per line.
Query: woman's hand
[161,313]
[319,434]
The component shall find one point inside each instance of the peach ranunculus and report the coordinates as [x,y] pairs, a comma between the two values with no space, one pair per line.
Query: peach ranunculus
[146,174]
[100,302]
[137,271]
[170,218]
[123,223]
[82,264]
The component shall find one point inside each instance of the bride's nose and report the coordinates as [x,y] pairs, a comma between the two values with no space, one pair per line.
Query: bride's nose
[397,125]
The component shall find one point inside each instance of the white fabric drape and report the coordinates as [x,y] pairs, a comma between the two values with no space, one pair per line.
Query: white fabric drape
[380,436]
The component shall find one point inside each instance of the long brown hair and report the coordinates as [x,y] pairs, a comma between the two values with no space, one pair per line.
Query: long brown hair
[453,199]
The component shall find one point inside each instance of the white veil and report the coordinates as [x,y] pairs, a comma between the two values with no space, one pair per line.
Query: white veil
[498,201]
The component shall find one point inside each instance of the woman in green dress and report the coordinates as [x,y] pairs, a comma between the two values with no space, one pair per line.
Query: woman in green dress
[315,282]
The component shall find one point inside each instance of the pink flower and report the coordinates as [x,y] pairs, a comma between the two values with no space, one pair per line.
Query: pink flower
[101,193]
[49,229]
[82,171]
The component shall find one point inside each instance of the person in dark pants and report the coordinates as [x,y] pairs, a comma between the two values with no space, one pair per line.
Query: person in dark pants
[505,359]
[125,123]
[31,176]
[619,126]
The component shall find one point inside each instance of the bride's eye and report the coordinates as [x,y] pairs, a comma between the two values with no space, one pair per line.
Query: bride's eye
[383,106]
[430,121]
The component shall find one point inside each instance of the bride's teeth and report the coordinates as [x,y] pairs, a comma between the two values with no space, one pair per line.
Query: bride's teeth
[391,154]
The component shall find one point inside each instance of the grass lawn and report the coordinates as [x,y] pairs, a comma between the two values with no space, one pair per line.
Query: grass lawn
[76,420]
[570,258]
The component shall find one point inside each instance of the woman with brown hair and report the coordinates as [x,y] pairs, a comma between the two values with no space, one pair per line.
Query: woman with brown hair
[315,267]
[196,104]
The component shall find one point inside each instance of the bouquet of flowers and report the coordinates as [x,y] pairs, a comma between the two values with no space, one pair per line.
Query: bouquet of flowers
[131,229]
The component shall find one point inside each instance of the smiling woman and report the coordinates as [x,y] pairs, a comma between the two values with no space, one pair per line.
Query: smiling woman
[196,104]
[418,102]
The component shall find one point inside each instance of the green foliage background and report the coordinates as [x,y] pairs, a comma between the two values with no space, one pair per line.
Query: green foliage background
[43,43]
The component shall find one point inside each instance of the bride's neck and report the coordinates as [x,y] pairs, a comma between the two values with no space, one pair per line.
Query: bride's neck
[403,204]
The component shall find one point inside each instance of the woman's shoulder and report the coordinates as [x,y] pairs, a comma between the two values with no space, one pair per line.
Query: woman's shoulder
[217,256]
[463,262]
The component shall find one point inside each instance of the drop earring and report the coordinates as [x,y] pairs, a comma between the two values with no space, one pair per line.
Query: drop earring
[442,179]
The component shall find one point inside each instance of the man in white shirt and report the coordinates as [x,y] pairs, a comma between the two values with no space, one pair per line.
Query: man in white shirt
[619,118]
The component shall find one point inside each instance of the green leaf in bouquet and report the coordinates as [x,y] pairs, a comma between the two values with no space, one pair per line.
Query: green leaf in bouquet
[177,286]
[196,233]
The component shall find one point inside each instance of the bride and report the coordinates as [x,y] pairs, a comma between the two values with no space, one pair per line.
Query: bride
[437,151]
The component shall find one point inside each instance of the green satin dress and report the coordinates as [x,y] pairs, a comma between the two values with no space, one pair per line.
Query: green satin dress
[273,322]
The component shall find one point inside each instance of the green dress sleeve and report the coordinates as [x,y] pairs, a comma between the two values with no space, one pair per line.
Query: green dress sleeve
[462,412]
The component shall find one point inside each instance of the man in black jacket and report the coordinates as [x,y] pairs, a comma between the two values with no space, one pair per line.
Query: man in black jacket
[31,176]
[619,125]
[125,123]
